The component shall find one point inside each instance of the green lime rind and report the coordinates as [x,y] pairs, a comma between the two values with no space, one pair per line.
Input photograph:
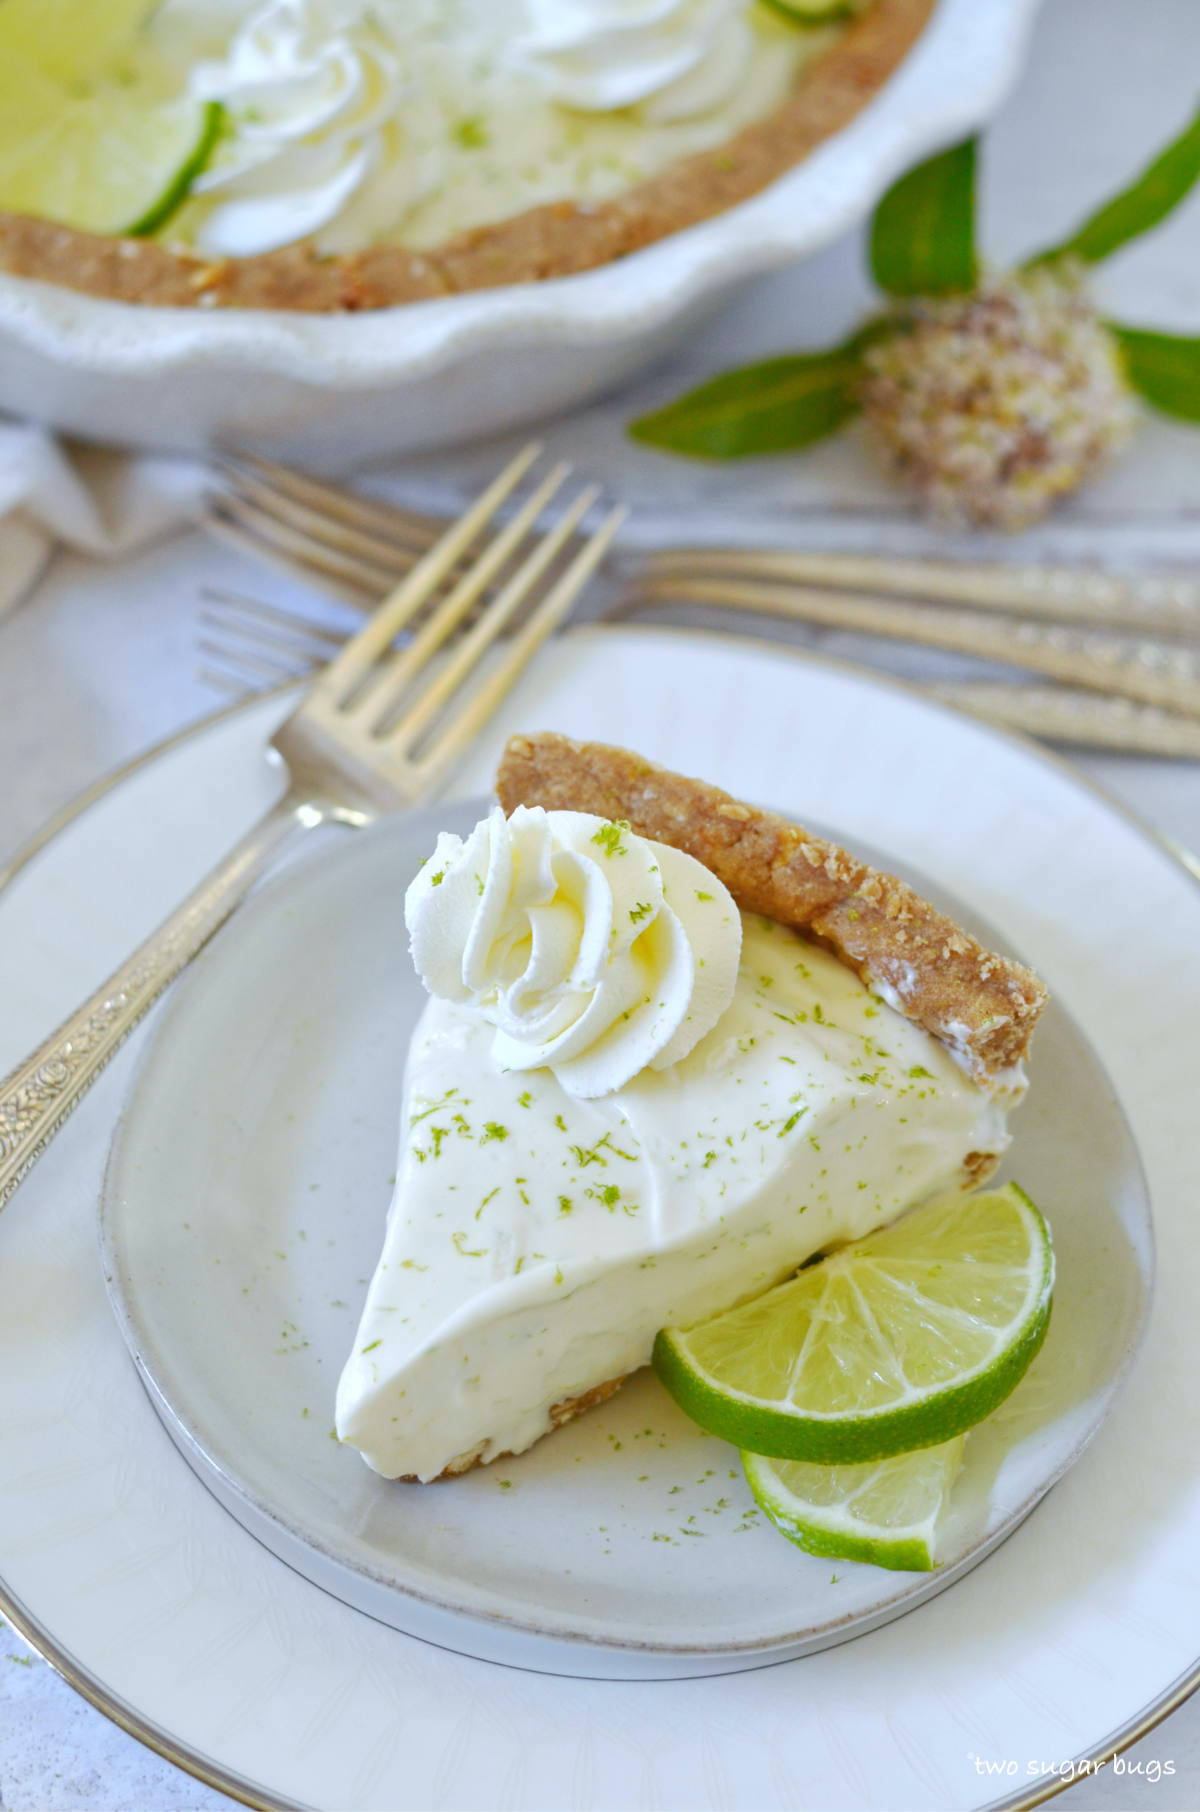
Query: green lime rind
[829,1531]
[811,12]
[937,1414]
[832,1441]
[179,187]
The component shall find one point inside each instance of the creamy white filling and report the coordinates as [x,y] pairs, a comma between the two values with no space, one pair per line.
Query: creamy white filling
[536,1242]
[356,122]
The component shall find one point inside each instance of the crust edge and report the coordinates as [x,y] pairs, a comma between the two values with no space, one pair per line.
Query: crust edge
[982,1006]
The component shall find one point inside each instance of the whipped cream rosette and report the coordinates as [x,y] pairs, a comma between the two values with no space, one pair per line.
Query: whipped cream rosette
[593,952]
[671,58]
[315,92]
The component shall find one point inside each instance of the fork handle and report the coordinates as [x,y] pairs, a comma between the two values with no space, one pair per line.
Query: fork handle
[38,1095]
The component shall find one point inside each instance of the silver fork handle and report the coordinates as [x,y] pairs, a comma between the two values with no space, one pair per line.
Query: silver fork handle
[41,1092]
[1154,672]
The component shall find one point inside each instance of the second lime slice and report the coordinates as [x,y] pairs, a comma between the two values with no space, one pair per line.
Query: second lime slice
[884,1512]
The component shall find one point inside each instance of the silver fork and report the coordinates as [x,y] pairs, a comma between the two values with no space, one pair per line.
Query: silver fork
[1061,622]
[250,647]
[378,730]
[355,543]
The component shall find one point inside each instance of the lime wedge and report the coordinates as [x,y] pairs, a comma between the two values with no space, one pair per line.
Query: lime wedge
[884,1512]
[900,1340]
[71,41]
[114,160]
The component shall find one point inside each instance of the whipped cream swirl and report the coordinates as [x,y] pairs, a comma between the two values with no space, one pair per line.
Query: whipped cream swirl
[312,89]
[672,59]
[592,951]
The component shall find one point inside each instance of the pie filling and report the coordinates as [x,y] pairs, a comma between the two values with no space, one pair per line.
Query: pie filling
[353,123]
[539,1236]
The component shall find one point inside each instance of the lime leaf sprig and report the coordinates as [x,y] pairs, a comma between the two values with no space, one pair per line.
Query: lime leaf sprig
[1162,367]
[1154,194]
[770,407]
[923,231]
[922,244]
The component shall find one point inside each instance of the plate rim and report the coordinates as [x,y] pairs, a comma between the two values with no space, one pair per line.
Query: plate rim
[240,1788]
[201,1444]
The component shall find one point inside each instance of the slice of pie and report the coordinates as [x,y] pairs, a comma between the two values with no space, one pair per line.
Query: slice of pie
[675,1047]
[373,152]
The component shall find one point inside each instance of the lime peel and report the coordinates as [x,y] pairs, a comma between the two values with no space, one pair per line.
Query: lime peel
[179,187]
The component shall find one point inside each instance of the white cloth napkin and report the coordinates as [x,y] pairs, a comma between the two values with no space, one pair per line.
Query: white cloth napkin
[86,498]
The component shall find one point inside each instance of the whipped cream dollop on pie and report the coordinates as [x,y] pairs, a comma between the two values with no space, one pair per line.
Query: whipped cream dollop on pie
[568,1185]
[316,93]
[673,59]
[594,953]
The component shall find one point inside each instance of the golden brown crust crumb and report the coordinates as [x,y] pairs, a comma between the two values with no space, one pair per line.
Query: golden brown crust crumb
[555,240]
[983,1006]
[566,1411]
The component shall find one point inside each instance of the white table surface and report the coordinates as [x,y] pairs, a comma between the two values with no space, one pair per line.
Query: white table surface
[100,661]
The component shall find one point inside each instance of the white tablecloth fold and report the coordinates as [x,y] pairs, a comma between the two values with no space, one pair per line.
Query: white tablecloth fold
[95,501]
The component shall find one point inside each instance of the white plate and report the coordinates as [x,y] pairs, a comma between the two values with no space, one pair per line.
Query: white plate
[343,388]
[246,1194]
[118,1562]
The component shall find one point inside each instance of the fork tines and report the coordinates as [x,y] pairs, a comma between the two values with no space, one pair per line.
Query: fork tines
[401,679]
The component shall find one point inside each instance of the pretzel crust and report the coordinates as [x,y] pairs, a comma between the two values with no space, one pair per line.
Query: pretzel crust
[983,1007]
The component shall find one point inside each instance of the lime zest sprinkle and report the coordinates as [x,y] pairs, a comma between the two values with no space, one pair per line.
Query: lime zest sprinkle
[609,836]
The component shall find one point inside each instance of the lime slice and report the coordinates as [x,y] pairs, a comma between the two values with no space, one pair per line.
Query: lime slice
[884,1512]
[71,41]
[900,1340]
[115,160]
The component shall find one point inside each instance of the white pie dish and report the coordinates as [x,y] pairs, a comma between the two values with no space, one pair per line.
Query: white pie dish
[349,388]
[246,1192]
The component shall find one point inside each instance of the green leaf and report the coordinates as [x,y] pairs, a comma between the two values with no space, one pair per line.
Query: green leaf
[1164,368]
[923,233]
[772,407]
[1161,186]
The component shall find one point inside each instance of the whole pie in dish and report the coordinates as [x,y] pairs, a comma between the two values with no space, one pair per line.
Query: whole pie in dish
[675,1046]
[338,154]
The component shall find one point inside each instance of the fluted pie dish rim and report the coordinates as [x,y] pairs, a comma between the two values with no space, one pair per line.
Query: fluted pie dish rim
[951,80]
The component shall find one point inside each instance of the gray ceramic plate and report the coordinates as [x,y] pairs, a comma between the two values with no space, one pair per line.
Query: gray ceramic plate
[242,1218]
